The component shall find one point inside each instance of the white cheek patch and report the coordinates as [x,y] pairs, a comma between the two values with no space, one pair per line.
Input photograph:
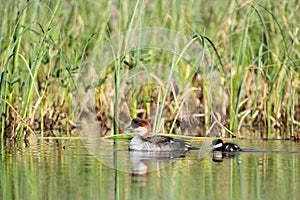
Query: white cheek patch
[218,145]
[141,131]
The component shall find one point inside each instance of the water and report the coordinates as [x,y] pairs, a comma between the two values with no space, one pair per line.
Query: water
[68,169]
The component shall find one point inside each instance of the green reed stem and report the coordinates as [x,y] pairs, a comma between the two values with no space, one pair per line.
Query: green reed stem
[172,70]
[238,81]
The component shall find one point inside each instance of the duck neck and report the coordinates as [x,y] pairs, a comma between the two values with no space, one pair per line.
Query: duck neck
[137,139]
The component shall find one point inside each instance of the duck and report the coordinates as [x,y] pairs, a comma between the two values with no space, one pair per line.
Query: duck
[142,141]
[227,147]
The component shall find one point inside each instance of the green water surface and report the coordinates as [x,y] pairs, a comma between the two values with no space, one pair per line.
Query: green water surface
[67,169]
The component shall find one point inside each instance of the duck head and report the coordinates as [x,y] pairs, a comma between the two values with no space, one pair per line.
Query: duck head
[140,126]
[217,144]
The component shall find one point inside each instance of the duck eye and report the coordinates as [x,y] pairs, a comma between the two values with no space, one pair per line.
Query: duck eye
[134,125]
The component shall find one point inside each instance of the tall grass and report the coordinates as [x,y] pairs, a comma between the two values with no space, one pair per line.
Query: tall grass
[43,45]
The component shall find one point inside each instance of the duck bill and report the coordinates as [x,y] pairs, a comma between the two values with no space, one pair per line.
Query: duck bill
[129,128]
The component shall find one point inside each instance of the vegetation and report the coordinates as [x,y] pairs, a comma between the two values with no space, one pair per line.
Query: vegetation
[253,46]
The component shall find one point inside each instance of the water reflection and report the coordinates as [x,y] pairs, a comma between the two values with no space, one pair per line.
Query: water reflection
[44,170]
[144,162]
[218,156]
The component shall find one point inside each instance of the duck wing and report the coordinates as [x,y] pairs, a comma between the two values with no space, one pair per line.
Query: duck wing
[159,139]
[231,147]
[165,140]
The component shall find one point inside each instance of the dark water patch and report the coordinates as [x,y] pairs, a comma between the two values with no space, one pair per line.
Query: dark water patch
[269,151]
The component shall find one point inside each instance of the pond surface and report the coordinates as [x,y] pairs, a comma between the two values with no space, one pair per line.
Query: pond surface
[68,169]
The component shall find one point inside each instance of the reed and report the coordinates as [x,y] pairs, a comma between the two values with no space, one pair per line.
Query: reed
[44,44]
